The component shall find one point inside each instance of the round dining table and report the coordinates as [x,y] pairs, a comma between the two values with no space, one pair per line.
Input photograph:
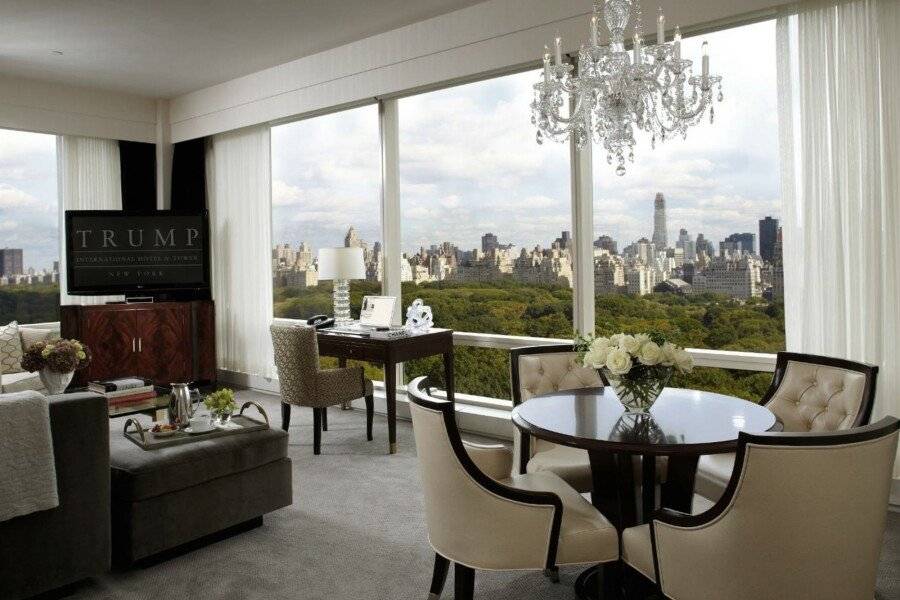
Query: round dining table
[681,425]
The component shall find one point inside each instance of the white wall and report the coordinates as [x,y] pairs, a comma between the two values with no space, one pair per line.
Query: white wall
[61,109]
[483,38]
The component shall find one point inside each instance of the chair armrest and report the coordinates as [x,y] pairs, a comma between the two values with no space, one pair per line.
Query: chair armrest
[495,460]
[340,385]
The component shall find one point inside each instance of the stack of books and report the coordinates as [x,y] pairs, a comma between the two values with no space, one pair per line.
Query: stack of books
[127,394]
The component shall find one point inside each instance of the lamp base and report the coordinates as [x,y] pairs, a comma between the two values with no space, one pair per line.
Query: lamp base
[341,297]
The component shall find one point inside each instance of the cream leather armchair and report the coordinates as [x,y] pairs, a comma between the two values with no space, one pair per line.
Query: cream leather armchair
[802,518]
[538,370]
[808,393]
[479,517]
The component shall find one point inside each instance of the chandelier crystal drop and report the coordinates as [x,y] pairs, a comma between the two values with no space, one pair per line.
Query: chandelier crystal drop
[616,91]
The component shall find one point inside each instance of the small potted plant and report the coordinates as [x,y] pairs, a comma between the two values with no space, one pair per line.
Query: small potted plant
[637,366]
[221,405]
[56,362]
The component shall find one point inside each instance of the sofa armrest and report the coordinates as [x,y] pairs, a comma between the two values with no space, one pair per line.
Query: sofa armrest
[52,548]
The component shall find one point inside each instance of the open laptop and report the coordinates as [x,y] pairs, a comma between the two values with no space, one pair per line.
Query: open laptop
[376,311]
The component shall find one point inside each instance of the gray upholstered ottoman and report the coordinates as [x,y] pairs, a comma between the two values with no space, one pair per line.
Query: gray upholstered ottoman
[167,497]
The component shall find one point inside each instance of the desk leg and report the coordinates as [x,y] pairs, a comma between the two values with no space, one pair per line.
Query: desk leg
[342,362]
[390,393]
[448,375]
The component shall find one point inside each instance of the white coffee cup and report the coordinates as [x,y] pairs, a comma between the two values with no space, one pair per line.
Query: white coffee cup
[201,424]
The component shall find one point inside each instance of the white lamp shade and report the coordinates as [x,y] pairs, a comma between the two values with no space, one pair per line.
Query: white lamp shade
[341,263]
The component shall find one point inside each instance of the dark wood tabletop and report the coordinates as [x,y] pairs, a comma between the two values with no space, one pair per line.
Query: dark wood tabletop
[683,421]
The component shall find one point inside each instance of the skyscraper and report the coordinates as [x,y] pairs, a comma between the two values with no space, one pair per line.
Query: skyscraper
[11,262]
[745,242]
[660,239]
[768,236]
[489,242]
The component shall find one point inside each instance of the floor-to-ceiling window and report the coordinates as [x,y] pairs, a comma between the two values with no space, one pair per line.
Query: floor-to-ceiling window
[688,241]
[486,222]
[29,228]
[326,193]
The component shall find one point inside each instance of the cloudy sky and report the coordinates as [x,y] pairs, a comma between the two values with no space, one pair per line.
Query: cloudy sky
[469,164]
[28,209]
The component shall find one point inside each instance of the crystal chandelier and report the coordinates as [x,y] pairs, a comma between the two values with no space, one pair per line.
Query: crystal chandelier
[614,91]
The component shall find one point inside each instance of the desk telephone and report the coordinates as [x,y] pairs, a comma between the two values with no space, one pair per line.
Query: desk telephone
[320,321]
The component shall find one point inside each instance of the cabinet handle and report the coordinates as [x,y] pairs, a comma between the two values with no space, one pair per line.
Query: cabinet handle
[140,348]
[132,345]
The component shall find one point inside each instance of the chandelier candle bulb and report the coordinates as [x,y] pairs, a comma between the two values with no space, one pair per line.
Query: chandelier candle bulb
[677,43]
[705,62]
[661,29]
[594,31]
[546,65]
[637,50]
[558,51]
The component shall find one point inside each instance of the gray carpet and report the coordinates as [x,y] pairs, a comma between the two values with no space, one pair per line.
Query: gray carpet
[355,530]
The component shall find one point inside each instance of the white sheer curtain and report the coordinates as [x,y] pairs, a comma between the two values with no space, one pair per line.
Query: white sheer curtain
[839,108]
[240,207]
[89,178]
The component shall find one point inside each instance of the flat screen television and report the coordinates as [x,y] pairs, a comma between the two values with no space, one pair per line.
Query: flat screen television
[136,252]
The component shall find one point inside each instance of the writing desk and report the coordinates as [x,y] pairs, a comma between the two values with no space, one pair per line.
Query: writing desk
[390,353]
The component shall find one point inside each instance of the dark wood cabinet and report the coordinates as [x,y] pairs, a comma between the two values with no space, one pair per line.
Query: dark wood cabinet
[165,341]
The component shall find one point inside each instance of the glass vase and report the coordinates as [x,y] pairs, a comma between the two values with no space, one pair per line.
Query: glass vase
[221,418]
[639,388]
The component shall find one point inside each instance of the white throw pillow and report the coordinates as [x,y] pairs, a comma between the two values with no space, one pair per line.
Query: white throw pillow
[10,349]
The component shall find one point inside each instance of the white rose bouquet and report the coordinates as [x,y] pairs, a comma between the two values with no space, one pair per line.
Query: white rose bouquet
[637,366]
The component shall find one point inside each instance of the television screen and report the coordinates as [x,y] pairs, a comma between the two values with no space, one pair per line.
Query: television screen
[121,252]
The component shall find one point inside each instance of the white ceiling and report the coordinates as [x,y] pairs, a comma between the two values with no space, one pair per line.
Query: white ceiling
[163,48]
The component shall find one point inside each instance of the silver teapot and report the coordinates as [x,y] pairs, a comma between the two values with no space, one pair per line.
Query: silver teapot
[183,402]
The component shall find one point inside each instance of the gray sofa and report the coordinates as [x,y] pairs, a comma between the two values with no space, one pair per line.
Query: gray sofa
[46,550]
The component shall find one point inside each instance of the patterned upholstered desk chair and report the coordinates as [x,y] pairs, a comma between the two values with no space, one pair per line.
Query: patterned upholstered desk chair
[479,517]
[803,518]
[808,393]
[538,370]
[303,383]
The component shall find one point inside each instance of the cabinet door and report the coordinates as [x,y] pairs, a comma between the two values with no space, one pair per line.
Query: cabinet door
[111,336]
[164,343]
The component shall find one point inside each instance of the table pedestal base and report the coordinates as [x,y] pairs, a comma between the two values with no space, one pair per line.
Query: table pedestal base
[610,581]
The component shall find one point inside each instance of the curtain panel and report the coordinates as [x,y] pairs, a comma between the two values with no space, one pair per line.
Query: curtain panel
[839,119]
[89,178]
[239,195]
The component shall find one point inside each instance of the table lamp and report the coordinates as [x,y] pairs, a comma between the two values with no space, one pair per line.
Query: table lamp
[341,265]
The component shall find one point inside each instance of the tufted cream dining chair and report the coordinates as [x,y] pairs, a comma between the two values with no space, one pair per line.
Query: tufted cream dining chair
[538,370]
[303,383]
[803,518]
[480,517]
[808,394]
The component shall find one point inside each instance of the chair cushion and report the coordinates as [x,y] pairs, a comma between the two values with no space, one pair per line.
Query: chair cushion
[585,535]
[713,474]
[21,382]
[817,397]
[637,550]
[32,335]
[138,474]
[571,464]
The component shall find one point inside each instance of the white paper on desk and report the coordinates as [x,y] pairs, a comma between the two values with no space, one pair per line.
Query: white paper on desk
[377,311]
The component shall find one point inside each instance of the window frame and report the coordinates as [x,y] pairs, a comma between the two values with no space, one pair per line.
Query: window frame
[582,224]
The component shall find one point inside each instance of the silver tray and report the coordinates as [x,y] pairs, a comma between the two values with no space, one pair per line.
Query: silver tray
[239,424]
